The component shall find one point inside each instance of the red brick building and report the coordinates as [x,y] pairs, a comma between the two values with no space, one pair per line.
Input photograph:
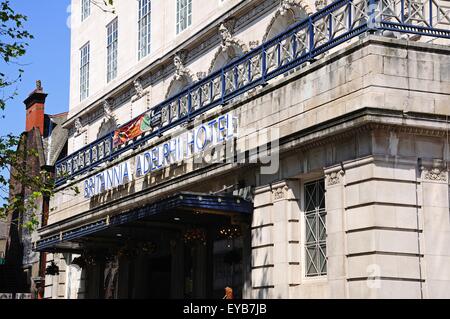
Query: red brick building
[24,270]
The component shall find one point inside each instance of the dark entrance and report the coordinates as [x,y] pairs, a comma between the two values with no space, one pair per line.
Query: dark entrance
[159,279]
[185,246]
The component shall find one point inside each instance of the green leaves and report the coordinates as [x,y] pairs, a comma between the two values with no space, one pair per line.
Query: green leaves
[13,44]
[25,188]
[12,33]
[106,3]
[13,162]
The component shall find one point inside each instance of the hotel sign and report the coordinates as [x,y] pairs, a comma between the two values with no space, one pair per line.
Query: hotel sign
[175,150]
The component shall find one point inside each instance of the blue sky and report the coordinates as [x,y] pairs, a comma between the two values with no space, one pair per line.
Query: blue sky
[47,59]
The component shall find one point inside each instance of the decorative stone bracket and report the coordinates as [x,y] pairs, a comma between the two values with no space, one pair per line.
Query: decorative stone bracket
[79,128]
[434,171]
[107,110]
[279,193]
[334,178]
[140,92]
[285,190]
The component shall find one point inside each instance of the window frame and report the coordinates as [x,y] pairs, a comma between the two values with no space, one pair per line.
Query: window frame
[321,275]
[85,9]
[189,4]
[85,67]
[112,30]
[148,15]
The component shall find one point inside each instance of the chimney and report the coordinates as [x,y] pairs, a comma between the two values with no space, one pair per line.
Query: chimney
[35,109]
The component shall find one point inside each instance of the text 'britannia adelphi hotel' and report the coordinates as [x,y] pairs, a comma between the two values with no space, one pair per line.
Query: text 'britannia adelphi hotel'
[284,149]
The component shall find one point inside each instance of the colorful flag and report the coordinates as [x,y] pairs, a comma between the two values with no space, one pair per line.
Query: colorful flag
[131,130]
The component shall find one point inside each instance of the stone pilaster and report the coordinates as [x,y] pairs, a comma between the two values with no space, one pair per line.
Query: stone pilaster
[275,240]
[336,237]
[435,198]
[383,228]
[286,218]
[262,244]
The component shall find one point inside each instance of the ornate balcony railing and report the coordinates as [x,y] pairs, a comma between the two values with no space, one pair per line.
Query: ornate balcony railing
[336,23]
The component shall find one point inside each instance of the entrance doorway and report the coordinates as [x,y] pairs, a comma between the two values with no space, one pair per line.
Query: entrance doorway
[212,266]
[159,278]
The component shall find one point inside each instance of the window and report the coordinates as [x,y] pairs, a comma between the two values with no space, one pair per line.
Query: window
[144,24]
[85,9]
[315,229]
[84,71]
[184,14]
[112,43]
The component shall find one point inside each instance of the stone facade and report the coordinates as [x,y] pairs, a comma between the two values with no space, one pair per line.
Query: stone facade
[371,121]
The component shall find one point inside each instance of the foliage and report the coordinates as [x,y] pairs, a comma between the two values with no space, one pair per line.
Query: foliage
[13,44]
[52,269]
[106,3]
[22,196]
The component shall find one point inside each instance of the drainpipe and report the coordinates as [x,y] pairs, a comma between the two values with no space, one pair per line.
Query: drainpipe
[419,169]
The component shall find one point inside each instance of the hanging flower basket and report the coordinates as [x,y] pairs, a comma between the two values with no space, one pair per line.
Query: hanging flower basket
[230,232]
[195,235]
[79,261]
[128,252]
[147,248]
[90,258]
[52,269]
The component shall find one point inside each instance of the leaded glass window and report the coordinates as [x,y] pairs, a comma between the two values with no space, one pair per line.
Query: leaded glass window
[315,229]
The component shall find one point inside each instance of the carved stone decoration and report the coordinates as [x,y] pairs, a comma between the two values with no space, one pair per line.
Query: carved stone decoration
[288,13]
[109,122]
[139,90]
[320,4]
[183,76]
[286,6]
[178,62]
[78,126]
[138,87]
[253,45]
[279,193]
[334,178]
[200,75]
[225,35]
[107,109]
[230,47]
[437,174]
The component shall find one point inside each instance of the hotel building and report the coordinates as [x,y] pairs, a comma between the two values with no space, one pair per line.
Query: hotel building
[285,149]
